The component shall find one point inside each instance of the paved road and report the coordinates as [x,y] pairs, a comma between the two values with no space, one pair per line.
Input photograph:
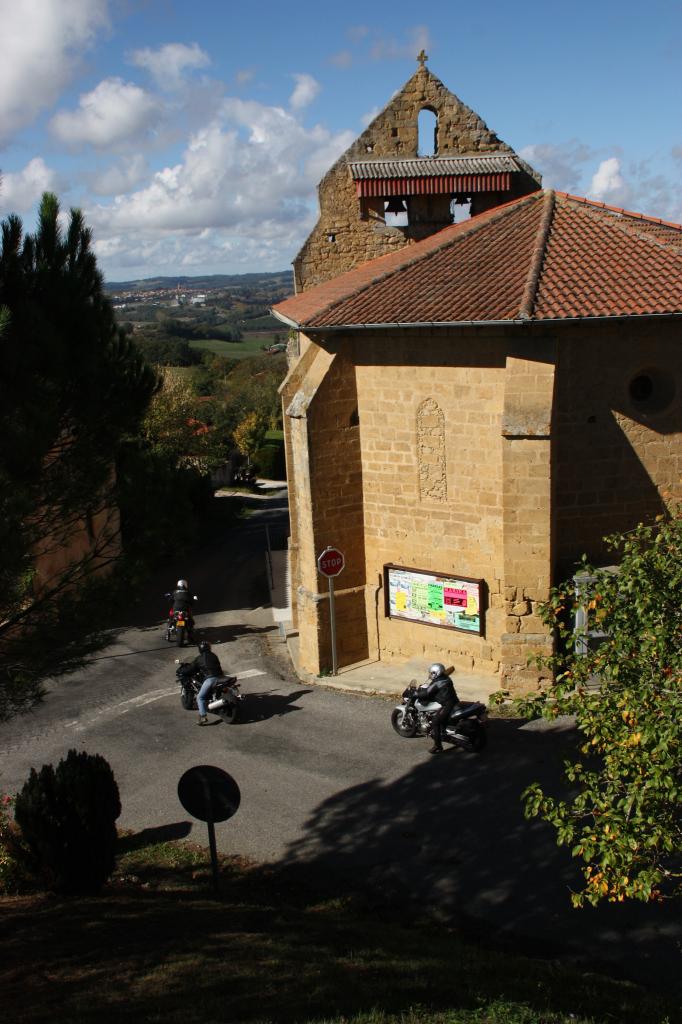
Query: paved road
[325,782]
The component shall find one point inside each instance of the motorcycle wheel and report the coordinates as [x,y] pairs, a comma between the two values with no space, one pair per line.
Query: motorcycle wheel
[229,713]
[478,737]
[404,729]
[180,636]
[186,698]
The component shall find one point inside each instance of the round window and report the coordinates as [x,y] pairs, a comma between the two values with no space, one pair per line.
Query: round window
[652,390]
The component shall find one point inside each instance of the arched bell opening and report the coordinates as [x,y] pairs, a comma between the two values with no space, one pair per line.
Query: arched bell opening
[427,132]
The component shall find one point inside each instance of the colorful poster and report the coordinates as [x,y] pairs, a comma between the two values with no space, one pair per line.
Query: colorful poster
[433,598]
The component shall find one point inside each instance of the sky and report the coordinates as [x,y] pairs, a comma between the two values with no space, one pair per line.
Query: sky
[193,134]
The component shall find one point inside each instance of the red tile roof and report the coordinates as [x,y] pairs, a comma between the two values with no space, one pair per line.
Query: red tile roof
[546,256]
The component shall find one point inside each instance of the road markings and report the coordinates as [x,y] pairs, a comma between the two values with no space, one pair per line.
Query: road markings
[142,700]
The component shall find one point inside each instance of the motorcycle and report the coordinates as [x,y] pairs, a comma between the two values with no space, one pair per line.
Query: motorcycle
[464,728]
[180,626]
[224,699]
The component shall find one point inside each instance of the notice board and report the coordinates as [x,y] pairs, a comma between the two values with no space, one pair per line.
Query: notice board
[434,598]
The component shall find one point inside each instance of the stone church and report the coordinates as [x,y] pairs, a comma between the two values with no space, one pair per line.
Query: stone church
[485,380]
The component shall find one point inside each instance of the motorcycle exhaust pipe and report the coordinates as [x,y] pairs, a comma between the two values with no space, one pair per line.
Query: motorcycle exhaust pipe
[216,704]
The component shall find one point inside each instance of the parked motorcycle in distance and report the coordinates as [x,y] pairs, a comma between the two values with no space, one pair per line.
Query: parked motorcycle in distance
[224,699]
[464,728]
[180,625]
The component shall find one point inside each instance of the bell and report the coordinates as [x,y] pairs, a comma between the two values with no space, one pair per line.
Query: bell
[396,205]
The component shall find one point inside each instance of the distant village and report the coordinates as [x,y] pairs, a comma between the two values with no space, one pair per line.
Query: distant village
[216,311]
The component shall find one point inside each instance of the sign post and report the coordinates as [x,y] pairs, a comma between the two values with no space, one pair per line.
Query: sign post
[210,795]
[330,564]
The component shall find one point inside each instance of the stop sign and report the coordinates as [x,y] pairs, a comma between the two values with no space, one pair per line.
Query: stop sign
[331,562]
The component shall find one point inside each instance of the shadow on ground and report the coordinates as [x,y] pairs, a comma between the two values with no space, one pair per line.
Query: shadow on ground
[261,705]
[159,946]
[227,567]
[450,836]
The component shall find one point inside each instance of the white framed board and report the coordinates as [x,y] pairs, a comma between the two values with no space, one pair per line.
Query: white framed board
[434,598]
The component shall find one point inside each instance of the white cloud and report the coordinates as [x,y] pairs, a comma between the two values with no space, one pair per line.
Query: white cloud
[242,194]
[389,48]
[608,184]
[121,177]
[168,64]
[356,33]
[342,59]
[114,112]
[305,91]
[19,190]
[147,254]
[647,186]
[367,118]
[42,41]
[561,165]
[325,155]
[244,76]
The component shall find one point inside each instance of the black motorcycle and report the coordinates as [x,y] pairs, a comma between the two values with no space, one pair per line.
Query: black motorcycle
[464,728]
[224,698]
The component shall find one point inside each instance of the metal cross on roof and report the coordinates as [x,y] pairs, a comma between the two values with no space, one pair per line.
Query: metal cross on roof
[422,58]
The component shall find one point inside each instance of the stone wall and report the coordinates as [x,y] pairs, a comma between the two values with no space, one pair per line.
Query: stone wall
[430,411]
[342,238]
[488,453]
[527,496]
[617,462]
[326,502]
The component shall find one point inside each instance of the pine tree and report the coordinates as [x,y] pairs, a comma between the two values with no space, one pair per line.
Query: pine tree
[72,387]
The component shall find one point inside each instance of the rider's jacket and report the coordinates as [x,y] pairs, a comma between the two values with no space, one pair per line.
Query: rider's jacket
[208,662]
[182,600]
[441,690]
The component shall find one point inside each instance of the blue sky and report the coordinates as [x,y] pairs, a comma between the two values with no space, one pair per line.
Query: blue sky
[193,134]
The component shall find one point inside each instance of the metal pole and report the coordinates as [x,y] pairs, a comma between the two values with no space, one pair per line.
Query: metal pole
[332,623]
[267,537]
[214,856]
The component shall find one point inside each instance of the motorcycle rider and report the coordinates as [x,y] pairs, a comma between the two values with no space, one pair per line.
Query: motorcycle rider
[182,602]
[211,668]
[439,689]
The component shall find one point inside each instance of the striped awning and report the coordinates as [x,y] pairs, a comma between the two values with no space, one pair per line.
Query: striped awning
[437,185]
[434,175]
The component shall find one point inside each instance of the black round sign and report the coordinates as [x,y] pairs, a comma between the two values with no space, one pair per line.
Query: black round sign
[209,793]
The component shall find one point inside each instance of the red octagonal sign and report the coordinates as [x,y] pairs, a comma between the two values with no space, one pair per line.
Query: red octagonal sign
[331,562]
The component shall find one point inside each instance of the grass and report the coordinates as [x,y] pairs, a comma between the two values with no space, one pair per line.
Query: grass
[250,345]
[157,946]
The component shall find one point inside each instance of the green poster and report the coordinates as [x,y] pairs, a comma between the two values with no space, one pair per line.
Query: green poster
[420,596]
[435,597]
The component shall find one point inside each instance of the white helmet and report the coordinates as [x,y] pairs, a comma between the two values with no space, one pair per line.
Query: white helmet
[182,585]
[435,670]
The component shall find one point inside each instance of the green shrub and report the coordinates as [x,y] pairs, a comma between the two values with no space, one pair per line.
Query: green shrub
[270,462]
[67,819]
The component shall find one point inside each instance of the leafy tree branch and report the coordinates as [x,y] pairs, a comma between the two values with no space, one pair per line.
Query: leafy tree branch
[623,820]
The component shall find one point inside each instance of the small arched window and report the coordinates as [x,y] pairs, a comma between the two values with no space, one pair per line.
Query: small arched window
[427,130]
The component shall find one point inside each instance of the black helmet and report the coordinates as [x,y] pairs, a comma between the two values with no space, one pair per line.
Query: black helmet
[204,646]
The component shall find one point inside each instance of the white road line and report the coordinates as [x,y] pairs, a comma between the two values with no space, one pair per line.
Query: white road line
[143,699]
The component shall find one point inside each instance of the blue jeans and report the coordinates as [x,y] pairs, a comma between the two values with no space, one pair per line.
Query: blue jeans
[203,693]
